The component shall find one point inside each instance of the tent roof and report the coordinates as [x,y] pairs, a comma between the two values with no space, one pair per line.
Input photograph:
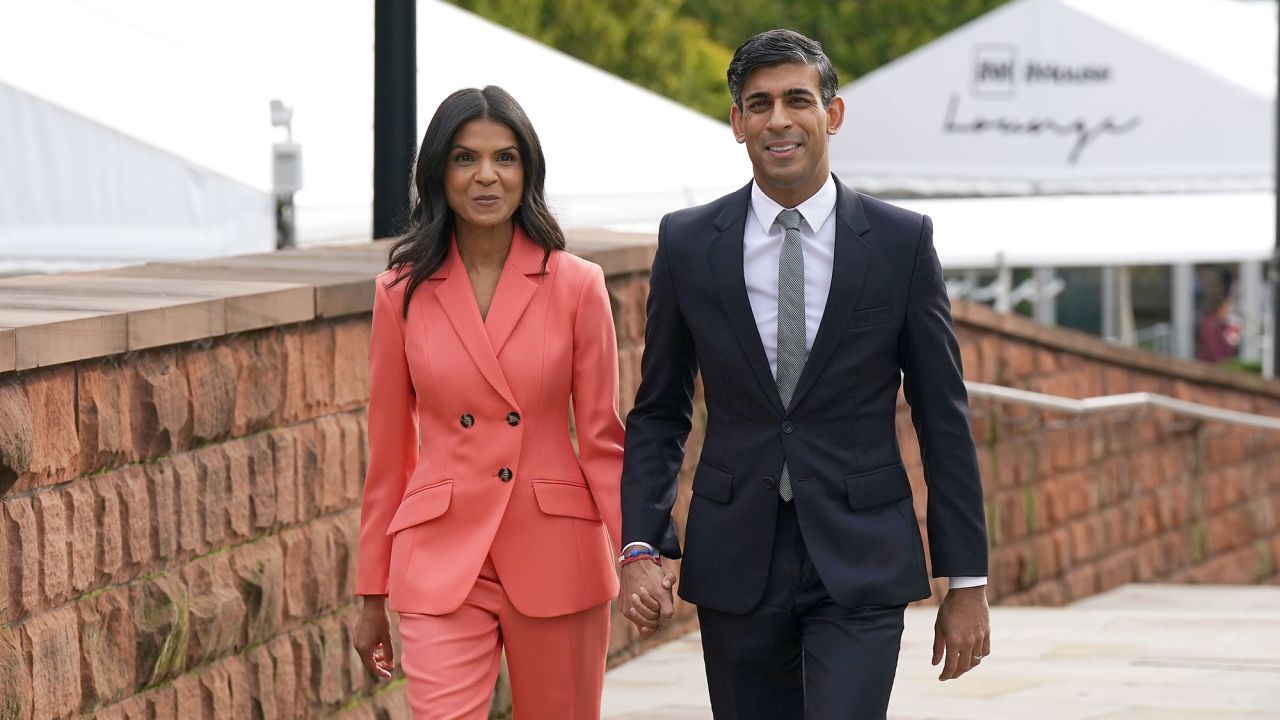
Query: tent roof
[1101,230]
[195,80]
[1169,96]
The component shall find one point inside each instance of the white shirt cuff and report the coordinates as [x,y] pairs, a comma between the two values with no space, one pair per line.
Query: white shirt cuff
[640,544]
[967,582]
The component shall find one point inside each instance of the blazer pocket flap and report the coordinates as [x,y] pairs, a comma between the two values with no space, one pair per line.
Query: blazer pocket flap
[713,483]
[567,499]
[878,487]
[420,506]
[871,316]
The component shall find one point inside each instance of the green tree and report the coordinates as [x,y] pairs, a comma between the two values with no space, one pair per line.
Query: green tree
[681,48]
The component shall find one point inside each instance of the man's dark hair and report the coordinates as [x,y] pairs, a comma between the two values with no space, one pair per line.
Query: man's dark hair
[780,47]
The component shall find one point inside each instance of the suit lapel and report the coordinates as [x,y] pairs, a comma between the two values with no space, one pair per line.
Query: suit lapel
[727,270]
[853,258]
[515,290]
[459,302]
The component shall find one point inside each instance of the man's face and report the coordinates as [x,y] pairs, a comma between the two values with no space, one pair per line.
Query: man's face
[785,127]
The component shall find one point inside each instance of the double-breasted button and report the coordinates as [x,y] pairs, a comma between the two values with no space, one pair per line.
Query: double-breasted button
[505,475]
[513,418]
[467,420]
[769,483]
[787,427]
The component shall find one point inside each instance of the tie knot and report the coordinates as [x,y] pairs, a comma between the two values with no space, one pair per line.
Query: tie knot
[790,219]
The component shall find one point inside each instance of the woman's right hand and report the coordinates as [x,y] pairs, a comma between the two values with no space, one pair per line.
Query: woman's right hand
[372,637]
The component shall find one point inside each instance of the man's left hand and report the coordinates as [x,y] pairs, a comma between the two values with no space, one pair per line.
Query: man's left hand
[962,634]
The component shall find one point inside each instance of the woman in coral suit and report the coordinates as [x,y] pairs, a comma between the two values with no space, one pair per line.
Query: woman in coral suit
[481,526]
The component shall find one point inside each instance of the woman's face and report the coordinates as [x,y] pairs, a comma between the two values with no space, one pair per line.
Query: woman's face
[484,175]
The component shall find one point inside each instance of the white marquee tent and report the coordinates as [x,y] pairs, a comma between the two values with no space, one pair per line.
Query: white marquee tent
[1046,96]
[143,128]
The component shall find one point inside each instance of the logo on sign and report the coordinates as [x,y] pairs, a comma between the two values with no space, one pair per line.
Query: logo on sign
[994,70]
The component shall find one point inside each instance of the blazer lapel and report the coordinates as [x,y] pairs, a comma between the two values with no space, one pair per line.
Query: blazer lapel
[853,258]
[727,270]
[515,289]
[459,302]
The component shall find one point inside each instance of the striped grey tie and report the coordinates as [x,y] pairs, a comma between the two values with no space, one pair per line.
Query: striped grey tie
[791,322]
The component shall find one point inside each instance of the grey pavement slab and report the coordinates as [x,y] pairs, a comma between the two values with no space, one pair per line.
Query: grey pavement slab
[1141,652]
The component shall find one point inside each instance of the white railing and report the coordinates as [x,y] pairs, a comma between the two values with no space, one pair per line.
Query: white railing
[1109,403]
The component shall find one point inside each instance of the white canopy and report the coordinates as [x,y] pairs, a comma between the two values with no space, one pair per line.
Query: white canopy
[1043,96]
[167,105]
[1101,230]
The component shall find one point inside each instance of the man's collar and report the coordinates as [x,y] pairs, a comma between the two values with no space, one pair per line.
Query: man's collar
[816,210]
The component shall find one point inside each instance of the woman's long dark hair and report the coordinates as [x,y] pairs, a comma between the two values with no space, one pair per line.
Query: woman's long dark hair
[425,243]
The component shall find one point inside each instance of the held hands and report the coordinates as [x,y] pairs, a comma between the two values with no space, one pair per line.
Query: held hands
[645,598]
[372,637]
[962,633]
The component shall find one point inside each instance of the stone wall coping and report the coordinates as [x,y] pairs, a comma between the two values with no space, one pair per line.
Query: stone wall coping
[66,317]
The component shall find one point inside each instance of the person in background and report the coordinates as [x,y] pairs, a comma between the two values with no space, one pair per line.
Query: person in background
[480,524]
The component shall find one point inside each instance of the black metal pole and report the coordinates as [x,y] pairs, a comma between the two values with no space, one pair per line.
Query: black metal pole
[395,110]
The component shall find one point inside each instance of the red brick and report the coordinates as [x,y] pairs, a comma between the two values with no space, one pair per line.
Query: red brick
[55,658]
[55,443]
[239,514]
[217,610]
[299,583]
[353,459]
[263,676]
[259,568]
[189,701]
[107,646]
[238,680]
[106,427]
[17,441]
[111,552]
[260,385]
[211,464]
[162,704]
[161,618]
[330,471]
[284,470]
[135,708]
[328,649]
[213,372]
[23,565]
[15,677]
[136,500]
[263,482]
[162,400]
[55,556]
[216,686]
[190,497]
[162,486]
[84,536]
[285,678]
[351,363]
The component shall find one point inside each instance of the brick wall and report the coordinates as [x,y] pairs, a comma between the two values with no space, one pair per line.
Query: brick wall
[179,523]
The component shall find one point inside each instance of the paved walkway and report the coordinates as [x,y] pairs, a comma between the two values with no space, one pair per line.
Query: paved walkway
[1141,652]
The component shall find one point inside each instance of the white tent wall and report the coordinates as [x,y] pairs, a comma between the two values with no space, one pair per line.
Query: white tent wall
[195,81]
[75,194]
[1043,96]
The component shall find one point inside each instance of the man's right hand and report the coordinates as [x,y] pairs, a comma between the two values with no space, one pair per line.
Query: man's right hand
[646,597]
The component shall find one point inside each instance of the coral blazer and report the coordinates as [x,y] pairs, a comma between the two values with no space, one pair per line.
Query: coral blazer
[470,452]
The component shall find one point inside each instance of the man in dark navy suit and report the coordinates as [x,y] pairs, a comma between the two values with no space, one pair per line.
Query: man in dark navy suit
[805,305]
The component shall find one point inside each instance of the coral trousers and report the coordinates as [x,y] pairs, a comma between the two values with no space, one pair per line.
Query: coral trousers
[555,664]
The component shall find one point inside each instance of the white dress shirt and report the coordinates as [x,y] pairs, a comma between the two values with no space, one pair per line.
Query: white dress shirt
[762,248]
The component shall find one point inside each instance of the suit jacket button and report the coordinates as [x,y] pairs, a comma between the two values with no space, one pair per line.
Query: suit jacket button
[769,483]
[467,420]
[787,427]
[505,475]
[513,418]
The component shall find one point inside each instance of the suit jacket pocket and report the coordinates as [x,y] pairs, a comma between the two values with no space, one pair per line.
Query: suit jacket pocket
[557,497]
[713,483]
[877,487]
[421,505]
[868,317]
